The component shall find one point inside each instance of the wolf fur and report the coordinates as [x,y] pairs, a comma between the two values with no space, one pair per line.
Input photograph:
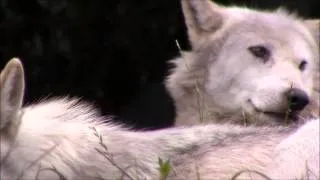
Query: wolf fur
[64,138]
[220,80]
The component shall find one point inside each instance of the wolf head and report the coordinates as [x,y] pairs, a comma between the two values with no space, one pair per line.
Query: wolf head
[244,62]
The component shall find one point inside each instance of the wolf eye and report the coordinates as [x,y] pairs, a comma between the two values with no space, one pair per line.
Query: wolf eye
[303,65]
[260,51]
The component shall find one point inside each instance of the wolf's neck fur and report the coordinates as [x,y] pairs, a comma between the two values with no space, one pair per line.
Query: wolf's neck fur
[197,109]
[193,105]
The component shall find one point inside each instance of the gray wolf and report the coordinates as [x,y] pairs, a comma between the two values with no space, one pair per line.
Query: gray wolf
[64,138]
[245,67]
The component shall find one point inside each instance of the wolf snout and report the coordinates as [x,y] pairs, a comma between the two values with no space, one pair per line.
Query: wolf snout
[297,99]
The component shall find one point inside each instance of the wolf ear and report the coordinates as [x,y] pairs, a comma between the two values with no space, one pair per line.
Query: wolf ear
[11,92]
[201,17]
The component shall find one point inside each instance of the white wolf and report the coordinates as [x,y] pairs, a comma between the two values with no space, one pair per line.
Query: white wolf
[65,139]
[245,66]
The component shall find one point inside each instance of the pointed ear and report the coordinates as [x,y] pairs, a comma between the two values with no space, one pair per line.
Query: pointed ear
[201,17]
[11,92]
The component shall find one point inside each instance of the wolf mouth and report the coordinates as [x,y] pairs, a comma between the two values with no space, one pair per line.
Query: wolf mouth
[282,116]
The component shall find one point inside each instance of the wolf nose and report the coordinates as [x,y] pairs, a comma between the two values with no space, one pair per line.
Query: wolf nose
[298,99]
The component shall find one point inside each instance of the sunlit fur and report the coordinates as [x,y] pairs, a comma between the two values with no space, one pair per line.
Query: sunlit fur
[64,138]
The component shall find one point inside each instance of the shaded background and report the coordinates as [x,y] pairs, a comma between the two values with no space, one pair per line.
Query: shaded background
[109,52]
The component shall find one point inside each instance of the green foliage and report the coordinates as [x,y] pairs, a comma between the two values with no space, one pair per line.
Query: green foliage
[164,168]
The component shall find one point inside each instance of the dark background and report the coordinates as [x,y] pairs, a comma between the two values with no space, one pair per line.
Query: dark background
[112,53]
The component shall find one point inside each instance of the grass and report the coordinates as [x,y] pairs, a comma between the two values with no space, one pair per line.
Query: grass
[108,156]
[235,176]
[164,169]
[288,111]
[199,96]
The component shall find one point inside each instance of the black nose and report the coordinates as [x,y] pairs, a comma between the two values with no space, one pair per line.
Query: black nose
[298,99]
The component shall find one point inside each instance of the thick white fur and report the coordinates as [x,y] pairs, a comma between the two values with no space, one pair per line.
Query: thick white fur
[219,80]
[64,138]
